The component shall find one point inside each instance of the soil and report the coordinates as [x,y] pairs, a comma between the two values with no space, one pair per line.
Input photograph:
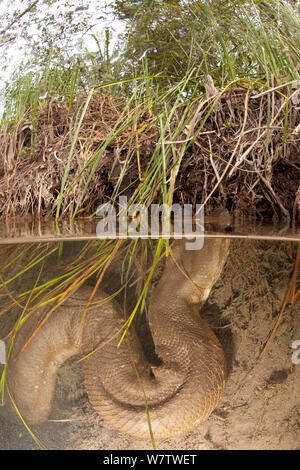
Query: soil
[260,406]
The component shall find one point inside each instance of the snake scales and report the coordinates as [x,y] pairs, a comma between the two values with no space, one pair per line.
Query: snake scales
[181,392]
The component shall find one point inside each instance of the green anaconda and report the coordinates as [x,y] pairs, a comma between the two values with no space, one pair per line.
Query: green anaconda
[181,392]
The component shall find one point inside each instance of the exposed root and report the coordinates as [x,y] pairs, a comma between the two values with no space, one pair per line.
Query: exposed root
[243,153]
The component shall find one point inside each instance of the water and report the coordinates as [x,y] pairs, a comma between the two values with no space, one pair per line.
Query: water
[28,230]
[260,405]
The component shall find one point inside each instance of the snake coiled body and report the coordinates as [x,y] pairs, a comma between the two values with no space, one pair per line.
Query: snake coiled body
[180,393]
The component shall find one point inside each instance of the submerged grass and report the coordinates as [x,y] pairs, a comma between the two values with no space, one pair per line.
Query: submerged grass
[49,291]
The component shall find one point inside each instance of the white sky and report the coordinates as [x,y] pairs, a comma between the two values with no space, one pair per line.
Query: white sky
[17,49]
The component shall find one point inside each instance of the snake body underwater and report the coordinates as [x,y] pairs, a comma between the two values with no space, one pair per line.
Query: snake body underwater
[180,393]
